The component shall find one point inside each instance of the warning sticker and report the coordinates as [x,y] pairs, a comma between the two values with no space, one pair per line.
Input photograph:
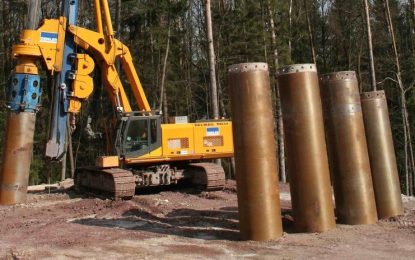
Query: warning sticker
[48,37]
[212,131]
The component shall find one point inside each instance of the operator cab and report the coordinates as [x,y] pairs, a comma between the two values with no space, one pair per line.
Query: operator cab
[138,135]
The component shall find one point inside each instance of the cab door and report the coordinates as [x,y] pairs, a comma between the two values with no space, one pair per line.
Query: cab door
[154,132]
[136,139]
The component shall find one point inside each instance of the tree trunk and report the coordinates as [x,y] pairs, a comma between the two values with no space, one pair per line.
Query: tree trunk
[407,144]
[264,9]
[220,93]
[3,41]
[163,95]
[277,104]
[189,53]
[33,14]
[222,107]
[118,19]
[310,33]
[290,21]
[359,66]
[212,65]
[412,4]
[409,159]
[212,61]
[370,46]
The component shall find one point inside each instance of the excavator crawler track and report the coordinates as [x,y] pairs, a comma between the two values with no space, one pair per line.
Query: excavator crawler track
[207,176]
[114,183]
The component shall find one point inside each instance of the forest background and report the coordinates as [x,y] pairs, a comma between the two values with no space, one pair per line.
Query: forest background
[169,42]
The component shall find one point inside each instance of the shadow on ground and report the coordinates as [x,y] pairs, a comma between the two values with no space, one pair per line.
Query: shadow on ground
[219,224]
[287,221]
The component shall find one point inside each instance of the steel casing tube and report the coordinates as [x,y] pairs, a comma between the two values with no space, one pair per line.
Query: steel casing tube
[17,156]
[255,152]
[346,140]
[382,154]
[307,162]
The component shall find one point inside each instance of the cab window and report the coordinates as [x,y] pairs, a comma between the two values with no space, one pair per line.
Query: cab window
[137,136]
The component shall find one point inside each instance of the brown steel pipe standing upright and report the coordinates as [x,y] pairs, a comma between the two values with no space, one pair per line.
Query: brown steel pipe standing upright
[17,156]
[349,158]
[382,154]
[255,152]
[307,162]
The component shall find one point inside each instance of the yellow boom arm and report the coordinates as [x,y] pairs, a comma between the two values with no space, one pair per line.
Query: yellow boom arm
[105,51]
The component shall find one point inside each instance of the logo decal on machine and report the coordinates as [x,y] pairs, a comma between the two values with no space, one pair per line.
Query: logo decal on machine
[212,131]
[48,37]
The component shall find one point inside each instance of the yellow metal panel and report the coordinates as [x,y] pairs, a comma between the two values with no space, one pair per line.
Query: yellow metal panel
[107,161]
[28,45]
[51,50]
[27,65]
[213,137]
[177,139]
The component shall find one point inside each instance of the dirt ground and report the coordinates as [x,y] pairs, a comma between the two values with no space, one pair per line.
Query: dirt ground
[181,224]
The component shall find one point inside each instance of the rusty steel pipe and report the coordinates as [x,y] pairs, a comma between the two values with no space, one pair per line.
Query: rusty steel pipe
[17,156]
[307,162]
[382,154]
[346,141]
[255,152]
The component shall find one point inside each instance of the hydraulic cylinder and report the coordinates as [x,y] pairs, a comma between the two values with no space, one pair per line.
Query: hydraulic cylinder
[346,141]
[382,154]
[255,152]
[307,162]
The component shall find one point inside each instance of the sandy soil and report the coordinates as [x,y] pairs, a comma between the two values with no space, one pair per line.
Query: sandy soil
[181,224]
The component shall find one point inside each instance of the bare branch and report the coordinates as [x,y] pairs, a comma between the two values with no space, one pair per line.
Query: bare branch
[386,79]
[409,89]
